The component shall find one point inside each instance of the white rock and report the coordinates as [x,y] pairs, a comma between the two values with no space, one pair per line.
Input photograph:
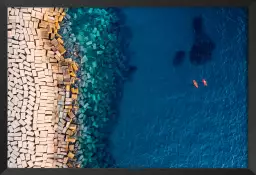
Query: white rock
[26,37]
[38,159]
[24,164]
[23,109]
[24,144]
[22,22]
[15,148]
[22,73]
[28,127]
[30,79]
[30,9]
[41,148]
[17,129]
[27,51]
[23,57]
[22,123]
[12,160]
[15,124]
[23,130]
[31,38]
[31,24]
[31,151]
[30,133]
[32,94]
[17,138]
[20,144]
[29,138]
[22,150]
[24,136]
[26,18]
[17,134]
[26,63]
[30,164]
[19,161]
[27,157]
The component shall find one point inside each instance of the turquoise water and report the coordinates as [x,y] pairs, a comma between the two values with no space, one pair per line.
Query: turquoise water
[155,117]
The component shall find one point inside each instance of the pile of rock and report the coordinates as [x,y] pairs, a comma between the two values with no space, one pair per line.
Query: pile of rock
[67,108]
[36,126]
[97,50]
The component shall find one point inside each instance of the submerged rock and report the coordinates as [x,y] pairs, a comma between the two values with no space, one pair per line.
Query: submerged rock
[179,58]
[94,35]
[203,46]
[201,51]
[132,68]
[198,25]
[131,71]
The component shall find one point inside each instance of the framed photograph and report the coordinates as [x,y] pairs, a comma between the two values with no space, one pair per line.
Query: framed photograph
[115,87]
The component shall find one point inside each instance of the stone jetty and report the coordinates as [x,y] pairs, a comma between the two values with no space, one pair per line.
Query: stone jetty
[42,91]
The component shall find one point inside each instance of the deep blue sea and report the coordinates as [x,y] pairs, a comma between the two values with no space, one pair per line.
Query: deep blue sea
[164,120]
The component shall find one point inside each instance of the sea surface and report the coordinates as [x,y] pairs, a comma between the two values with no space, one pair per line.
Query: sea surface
[165,122]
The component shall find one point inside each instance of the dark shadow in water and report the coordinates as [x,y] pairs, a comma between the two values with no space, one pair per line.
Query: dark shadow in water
[198,25]
[119,13]
[203,46]
[179,58]
[131,71]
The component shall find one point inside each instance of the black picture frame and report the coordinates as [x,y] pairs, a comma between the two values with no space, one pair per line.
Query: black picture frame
[103,3]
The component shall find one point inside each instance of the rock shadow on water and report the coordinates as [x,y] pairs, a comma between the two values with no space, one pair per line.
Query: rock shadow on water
[179,58]
[203,46]
[130,72]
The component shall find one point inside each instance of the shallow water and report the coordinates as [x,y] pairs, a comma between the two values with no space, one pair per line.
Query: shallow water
[164,120]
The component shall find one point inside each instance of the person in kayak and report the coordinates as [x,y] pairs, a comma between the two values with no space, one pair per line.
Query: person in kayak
[204,82]
[195,83]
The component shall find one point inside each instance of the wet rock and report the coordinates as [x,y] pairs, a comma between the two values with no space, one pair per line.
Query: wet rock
[67,16]
[65,31]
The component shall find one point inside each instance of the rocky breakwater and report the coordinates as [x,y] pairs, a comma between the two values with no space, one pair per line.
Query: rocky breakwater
[67,109]
[94,39]
[42,91]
